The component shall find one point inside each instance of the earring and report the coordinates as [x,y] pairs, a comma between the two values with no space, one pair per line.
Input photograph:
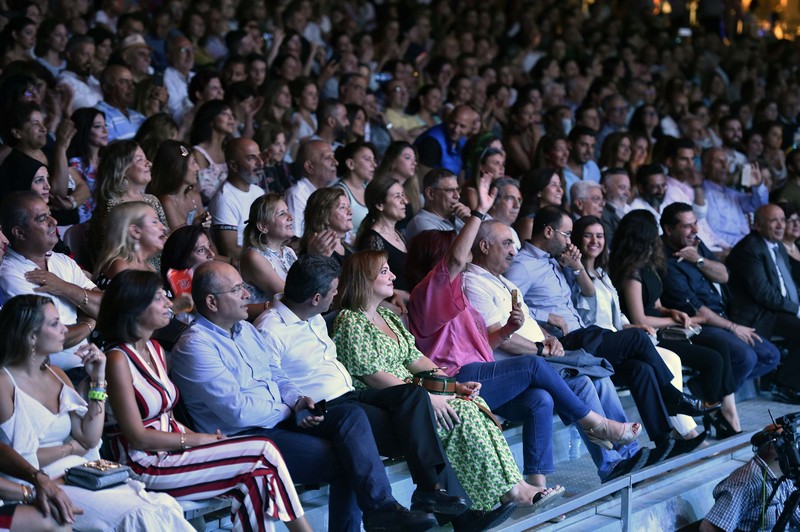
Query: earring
[260,236]
[33,347]
[136,246]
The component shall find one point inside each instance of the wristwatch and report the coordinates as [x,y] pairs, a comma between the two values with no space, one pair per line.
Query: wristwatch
[700,262]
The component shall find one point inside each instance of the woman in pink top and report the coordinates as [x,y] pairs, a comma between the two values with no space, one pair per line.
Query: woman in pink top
[453,335]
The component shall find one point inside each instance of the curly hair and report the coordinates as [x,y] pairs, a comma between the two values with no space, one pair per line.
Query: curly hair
[636,246]
[321,204]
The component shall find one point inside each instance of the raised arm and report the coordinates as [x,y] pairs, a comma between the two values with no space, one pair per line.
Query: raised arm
[458,254]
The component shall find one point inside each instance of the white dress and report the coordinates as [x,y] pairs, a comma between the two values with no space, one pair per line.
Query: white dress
[123,508]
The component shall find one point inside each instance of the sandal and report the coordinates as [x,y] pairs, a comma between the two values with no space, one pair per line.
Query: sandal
[546,498]
[602,434]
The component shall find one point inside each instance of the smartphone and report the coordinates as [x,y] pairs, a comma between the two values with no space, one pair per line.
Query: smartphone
[747,176]
[180,281]
[320,408]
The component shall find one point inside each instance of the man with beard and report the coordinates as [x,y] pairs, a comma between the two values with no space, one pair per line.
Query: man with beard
[616,185]
[581,165]
[78,75]
[442,211]
[332,123]
[230,206]
[730,131]
[118,94]
[317,167]
[727,206]
[652,185]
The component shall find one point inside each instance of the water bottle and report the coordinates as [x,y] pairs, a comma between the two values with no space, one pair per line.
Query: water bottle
[575,443]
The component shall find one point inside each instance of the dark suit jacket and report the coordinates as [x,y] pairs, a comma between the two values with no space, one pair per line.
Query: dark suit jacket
[755,285]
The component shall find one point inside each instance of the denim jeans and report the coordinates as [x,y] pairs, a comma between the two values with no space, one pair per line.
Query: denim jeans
[525,389]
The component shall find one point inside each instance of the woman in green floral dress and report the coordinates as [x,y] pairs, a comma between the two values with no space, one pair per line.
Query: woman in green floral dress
[378,351]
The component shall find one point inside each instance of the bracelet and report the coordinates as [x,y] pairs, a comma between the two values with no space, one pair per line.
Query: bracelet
[91,329]
[85,299]
[37,473]
[67,449]
[98,384]
[183,441]
[98,394]
[72,201]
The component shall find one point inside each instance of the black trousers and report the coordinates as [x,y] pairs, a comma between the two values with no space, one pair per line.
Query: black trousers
[636,364]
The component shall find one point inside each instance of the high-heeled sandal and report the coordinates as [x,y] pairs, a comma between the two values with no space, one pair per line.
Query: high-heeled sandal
[722,428]
[603,436]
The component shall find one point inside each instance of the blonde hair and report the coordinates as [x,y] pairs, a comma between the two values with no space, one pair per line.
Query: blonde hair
[262,210]
[321,204]
[359,271]
[118,243]
[117,159]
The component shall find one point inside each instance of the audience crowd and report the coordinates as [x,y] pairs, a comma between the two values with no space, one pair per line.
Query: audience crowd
[254,227]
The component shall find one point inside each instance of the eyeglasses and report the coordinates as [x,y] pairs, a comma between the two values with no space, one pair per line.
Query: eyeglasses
[236,290]
[565,234]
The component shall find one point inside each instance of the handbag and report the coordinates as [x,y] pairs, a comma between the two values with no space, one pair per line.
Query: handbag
[98,475]
[680,334]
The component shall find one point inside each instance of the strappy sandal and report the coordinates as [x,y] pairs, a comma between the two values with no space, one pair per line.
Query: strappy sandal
[601,434]
[545,499]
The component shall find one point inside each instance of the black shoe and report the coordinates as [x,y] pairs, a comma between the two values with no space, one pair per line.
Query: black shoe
[628,465]
[690,406]
[438,502]
[722,429]
[475,521]
[660,452]
[395,518]
[686,446]
[784,394]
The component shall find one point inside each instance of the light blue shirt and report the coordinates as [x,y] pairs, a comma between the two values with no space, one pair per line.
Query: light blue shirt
[544,286]
[727,208]
[230,381]
[120,127]
[591,172]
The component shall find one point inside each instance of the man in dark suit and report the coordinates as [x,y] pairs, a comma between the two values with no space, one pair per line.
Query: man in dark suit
[764,296]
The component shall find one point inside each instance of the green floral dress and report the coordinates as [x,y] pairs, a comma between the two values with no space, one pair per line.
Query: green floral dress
[477,450]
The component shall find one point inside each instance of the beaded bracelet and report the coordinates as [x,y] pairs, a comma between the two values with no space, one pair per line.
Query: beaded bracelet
[183,441]
[98,384]
[85,298]
[98,394]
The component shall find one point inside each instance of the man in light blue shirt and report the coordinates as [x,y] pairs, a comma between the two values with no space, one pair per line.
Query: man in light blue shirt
[119,89]
[580,165]
[230,380]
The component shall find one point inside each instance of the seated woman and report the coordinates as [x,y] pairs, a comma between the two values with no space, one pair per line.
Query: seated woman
[166,455]
[377,349]
[387,205]
[124,174]
[175,185]
[633,265]
[21,508]
[134,237]
[53,428]
[356,165]
[328,220]
[453,335]
[83,155]
[400,163]
[266,259]
[603,309]
[539,188]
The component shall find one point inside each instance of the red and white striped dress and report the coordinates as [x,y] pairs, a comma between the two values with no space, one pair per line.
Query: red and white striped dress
[250,469]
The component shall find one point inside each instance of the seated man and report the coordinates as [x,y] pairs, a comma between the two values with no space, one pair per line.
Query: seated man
[491,295]
[764,296]
[587,199]
[317,170]
[442,211]
[31,267]
[544,269]
[402,419]
[689,286]
[616,185]
[231,381]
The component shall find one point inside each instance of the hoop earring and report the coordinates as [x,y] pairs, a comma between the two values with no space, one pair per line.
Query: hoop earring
[261,242]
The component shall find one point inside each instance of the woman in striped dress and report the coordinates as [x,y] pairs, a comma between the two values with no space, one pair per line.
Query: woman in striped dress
[166,455]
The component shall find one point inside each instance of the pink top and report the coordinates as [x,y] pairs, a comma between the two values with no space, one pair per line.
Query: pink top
[448,329]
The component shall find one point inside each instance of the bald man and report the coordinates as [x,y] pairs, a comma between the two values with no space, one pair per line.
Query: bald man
[441,145]
[318,170]
[119,88]
[230,206]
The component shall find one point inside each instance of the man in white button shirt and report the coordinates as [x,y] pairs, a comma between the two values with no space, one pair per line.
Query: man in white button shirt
[78,75]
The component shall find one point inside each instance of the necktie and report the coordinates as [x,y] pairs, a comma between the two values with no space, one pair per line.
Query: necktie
[791,288]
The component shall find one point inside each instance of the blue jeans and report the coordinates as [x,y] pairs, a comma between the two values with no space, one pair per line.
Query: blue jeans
[601,397]
[341,451]
[525,389]
[746,362]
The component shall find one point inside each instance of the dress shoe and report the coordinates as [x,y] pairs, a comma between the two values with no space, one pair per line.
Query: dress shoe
[660,452]
[395,518]
[690,406]
[628,465]
[686,446]
[784,394]
[475,520]
[438,502]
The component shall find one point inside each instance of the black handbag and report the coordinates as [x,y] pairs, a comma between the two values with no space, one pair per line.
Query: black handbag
[98,475]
